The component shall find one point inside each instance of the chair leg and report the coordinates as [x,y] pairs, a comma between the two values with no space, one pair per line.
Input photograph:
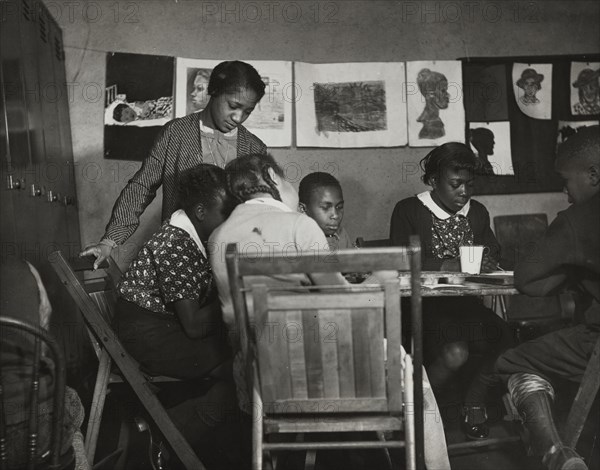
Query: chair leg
[503,307]
[257,426]
[97,407]
[310,460]
[409,414]
[386,450]
[584,398]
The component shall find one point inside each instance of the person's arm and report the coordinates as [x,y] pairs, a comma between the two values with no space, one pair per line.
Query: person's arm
[197,321]
[546,271]
[133,200]
[487,238]
[401,227]
[310,238]
[184,278]
[407,221]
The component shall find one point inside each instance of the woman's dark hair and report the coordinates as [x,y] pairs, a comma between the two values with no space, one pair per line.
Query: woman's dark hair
[118,111]
[203,184]
[448,156]
[313,181]
[231,76]
[249,174]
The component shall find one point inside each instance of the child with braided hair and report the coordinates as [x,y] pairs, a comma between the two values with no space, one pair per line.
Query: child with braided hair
[266,220]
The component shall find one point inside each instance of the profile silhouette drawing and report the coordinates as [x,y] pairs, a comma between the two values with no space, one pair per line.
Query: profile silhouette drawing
[434,88]
[482,140]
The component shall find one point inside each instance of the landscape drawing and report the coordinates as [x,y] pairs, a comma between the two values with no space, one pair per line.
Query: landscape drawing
[350,106]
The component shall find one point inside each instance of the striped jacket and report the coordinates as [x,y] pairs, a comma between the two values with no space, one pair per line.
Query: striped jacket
[177,148]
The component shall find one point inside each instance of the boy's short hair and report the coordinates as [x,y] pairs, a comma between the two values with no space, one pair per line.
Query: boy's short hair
[313,181]
[581,147]
[203,184]
[249,174]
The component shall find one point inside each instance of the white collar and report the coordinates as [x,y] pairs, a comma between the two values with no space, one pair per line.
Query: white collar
[427,201]
[181,220]
[211,131]
[270,202]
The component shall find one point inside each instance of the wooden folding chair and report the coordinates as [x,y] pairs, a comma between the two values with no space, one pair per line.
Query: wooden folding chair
[315,356]
[97,309]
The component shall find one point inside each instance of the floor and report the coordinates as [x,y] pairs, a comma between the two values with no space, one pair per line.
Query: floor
[121,408]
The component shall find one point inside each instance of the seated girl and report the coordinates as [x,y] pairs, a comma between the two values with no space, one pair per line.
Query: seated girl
[268,221]
[321,198]
[168,314]
[455,328]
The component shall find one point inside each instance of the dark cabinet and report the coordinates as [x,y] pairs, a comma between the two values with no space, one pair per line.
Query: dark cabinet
[38,207]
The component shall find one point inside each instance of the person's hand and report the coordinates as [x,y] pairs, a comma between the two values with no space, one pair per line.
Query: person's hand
[452,264]
[101,251]
[380,277]
[488,265]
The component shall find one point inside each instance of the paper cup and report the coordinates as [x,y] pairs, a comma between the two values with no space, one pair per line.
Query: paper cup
[470,259]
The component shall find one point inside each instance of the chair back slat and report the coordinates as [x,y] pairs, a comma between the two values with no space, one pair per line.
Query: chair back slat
[314,365]
[335,331]
[370,259]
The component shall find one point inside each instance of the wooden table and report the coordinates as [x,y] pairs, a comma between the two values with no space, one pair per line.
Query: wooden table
[453,284]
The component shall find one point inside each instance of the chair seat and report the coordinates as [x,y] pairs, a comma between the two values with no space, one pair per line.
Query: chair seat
[323,423]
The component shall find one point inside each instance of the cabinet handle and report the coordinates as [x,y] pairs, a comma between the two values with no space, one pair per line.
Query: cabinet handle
[36,190]
[52,196]
[15,183]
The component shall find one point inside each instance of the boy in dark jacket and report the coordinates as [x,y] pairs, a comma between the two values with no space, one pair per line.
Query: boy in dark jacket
[569,256]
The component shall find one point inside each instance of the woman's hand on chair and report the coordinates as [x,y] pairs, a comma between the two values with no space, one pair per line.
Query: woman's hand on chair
[101,252]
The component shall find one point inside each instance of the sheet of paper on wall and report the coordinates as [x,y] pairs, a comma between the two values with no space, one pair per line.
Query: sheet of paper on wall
[490,141]
[271,120]
[191,84]
[434,93]
[350,105]
[138,102]
[585,88]
[532,85]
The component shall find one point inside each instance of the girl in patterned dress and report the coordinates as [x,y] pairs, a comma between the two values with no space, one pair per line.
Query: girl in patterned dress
[456,329]
[168,313]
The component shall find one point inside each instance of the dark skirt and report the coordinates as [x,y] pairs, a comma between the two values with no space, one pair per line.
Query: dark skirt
[451,319]
[160,345]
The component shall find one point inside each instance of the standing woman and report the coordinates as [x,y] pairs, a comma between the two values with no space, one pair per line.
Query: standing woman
[454,328]
[214,135]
